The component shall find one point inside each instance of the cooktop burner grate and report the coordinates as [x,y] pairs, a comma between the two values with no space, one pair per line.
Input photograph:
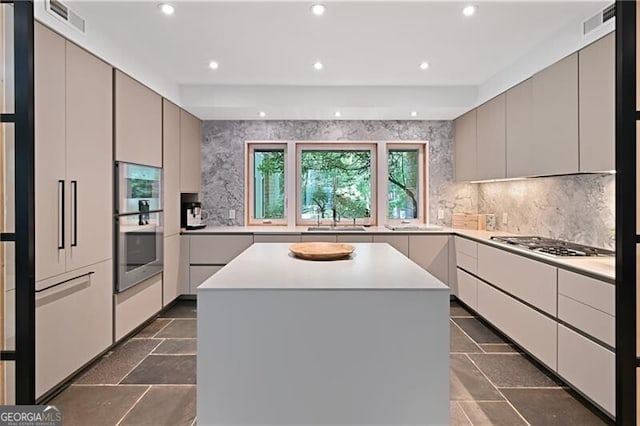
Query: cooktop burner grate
[553,247]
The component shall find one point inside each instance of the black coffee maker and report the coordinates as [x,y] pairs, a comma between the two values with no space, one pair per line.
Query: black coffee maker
[191,216]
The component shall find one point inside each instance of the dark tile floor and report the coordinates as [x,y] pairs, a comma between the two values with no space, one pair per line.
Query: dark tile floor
[150,380]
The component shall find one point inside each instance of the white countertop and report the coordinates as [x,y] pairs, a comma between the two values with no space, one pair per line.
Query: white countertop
[603,268]
[370,267]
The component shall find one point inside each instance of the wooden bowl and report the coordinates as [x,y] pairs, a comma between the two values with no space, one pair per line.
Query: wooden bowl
[321,251]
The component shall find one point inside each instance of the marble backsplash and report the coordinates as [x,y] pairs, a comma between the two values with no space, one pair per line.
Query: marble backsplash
[577,208]
[223,159]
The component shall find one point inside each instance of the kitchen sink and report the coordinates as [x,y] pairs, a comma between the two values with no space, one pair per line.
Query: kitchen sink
[414,227]
[336,229]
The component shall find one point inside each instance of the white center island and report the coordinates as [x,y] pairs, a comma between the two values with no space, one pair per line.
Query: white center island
[286,341]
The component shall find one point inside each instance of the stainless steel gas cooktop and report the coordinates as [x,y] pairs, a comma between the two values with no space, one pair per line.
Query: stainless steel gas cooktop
[553,247]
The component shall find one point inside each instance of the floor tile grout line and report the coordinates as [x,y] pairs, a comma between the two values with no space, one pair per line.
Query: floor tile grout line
[143,358]
[498,390]
[165,326]
[464,413]
[133,406]
[466,334]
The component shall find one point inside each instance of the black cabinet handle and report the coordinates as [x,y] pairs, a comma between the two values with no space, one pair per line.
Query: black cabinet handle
[61,210]
[74,191]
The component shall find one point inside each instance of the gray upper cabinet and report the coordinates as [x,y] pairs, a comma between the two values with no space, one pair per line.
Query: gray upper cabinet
[190,139]
[171,167]
[555,118]
[138,122]
[519,130]
[491,140]
[597,105]
[465,128]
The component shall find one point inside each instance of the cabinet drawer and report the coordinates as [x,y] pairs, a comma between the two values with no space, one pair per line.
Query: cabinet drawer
[276,238]
[73,324]
[468,289]
[598,324]
[468,247]
[529,328]
[199,274]
[217,249]
[529,280]
[467,262]
[597,294]
[329,238]
[349,238]
[588,366]
[399,242]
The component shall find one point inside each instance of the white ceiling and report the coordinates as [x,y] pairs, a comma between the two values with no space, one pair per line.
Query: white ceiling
[371,44]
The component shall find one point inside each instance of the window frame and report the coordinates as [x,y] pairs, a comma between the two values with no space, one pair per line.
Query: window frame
[250,149]
[423,182]
[337,146]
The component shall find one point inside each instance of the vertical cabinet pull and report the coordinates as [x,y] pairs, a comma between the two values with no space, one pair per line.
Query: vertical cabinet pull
[74,194]
[61,214]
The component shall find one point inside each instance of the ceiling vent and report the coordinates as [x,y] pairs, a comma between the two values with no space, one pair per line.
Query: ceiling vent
[68,16]
[599,19]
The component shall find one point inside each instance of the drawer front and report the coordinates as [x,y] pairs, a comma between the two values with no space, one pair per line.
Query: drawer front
[348,238]
[587,319]
[467,262]
[199,274]
[597,294]
[217,249]
[529,328]
[468,289]
[399,242]
[531,281]
[73,324]
[588,366]
[468,247]
[328,238]
[276,238]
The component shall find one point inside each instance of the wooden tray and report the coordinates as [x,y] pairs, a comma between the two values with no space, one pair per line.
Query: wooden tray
[321,251]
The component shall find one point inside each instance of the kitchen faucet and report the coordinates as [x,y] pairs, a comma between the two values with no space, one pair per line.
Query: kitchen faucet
[336,217]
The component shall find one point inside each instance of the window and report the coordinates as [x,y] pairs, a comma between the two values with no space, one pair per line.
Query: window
[267,186]
[404,188]
[359,181]
[336,177]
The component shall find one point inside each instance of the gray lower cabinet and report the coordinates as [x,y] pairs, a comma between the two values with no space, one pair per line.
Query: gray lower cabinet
[431,252]
[199,274]
[532,330]
[217,249]
[328,238]
[74,320]
[399,242]
[468,289]
[587,366]
[276,238]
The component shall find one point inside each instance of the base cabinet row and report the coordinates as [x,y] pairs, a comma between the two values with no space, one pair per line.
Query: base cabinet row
[491,280]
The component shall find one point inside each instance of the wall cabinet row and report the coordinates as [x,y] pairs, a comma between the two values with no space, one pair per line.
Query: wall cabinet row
[560,121]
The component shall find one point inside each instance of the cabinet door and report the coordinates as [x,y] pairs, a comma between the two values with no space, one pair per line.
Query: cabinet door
[73,324]
[199,274]
[555,118]
[597,64]
[491,139]
[465,147]
[50,160]
[217,249]
[190,140]
[399,242]
[89,158]
[431,252]
[171,167]
[172,283]
[138,122]
[519,130]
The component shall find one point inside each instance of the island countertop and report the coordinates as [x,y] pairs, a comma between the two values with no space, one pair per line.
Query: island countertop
[370,266]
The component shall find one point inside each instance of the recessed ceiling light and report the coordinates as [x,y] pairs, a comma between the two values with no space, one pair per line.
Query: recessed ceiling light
[318,66]
[318,9]
[262,114]
[167,9]
[469,10]
[337,114]
[214,65]
[424,65]
[414,113]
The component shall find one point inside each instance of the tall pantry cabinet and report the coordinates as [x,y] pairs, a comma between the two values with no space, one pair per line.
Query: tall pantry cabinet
[73,183]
